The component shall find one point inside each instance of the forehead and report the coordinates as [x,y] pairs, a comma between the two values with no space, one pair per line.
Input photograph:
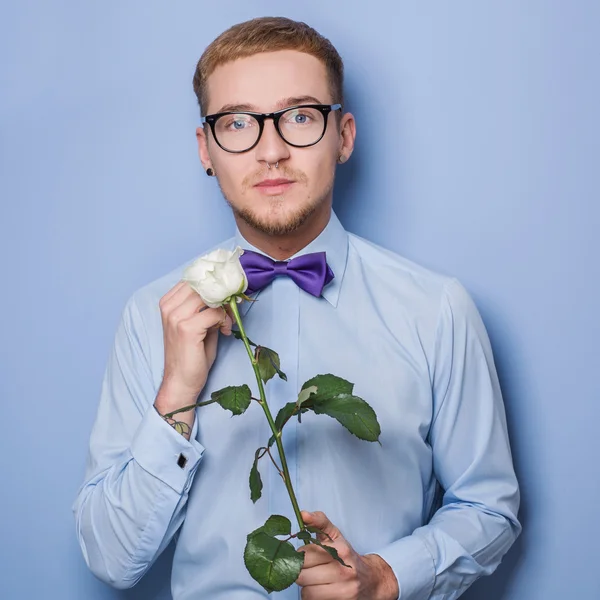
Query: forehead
[264,80]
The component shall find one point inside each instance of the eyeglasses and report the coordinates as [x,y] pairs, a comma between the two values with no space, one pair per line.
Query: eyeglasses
[299,126]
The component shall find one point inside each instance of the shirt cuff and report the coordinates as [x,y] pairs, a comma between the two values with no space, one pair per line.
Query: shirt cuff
[165,453]
[413,566]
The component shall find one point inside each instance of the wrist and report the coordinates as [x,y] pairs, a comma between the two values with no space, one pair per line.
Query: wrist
[384,582]
[172,396]
[178,404]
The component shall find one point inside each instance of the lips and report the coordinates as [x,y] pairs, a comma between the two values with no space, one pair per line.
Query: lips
[273,182]
[274,187]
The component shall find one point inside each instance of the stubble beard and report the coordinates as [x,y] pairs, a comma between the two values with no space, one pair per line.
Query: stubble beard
[277,223]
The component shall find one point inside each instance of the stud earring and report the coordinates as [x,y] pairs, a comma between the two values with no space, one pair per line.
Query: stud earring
[341,159]
[210,172]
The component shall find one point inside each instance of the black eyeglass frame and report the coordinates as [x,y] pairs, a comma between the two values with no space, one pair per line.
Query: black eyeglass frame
[260,117]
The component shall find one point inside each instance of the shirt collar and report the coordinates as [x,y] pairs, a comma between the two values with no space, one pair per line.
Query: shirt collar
[333,240]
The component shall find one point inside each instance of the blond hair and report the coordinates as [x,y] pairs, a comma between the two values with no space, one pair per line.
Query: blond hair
[268,34]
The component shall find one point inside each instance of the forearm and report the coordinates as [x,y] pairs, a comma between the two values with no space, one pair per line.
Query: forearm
[384,583]
[443,558]
[127,513]
[170,399]
[110,523]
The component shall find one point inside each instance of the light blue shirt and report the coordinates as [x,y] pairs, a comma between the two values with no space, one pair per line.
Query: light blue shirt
[414,345]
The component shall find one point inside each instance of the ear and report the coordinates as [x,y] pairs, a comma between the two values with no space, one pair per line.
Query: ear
[203,148]
[347,137]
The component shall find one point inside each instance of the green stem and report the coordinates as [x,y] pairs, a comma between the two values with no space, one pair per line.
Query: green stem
[186,408]
[263,403]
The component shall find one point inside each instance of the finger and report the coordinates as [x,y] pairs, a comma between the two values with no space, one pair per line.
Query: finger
[210,344]
[187,307]
[174,289]
[328,591]
[229,312]
[179,295]
[319,575]
[319,520]
[208,319]
[314,556]
[226,324]
[223,320]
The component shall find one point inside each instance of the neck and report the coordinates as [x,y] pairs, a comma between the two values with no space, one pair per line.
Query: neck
[283,246]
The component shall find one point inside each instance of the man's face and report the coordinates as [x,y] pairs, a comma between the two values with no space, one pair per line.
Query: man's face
[265,83]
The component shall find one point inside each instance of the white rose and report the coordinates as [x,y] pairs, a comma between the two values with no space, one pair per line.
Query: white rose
[217,276]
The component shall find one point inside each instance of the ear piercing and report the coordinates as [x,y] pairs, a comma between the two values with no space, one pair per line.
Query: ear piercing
[210,172]
[341,159]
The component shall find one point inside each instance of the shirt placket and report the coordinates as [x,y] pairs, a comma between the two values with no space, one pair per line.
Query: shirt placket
[285,328]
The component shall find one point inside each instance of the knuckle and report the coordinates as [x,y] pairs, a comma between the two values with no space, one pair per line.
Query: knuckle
[348,575]
[162,305]
[352,589]
[164,299]
[183,326]
[173,316]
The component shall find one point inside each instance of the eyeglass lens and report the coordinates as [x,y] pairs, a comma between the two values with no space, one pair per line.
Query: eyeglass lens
[298,126]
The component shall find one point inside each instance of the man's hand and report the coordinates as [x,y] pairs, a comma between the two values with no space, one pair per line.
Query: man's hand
[324,578]
[190,332]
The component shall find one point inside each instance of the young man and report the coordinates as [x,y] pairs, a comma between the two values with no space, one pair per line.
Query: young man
[422,515]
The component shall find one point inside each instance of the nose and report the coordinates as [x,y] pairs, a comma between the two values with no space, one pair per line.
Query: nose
[271,147]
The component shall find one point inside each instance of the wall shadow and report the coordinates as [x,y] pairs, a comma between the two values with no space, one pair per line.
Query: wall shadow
[497,586]
[156,583]
[349,197]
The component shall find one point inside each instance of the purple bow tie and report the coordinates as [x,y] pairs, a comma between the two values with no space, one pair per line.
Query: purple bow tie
[310,271]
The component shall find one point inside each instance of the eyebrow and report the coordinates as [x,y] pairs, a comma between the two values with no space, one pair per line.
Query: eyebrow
[284,103]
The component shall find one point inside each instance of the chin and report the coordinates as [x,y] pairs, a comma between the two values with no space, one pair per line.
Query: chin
[277,218]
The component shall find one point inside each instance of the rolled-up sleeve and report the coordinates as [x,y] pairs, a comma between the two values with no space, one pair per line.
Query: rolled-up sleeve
[139,469]
[477,522]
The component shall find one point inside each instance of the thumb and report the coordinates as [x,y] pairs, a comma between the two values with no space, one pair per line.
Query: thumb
[319,520]
[226,324]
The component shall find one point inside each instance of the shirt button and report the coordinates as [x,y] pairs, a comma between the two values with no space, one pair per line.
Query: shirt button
[182,461]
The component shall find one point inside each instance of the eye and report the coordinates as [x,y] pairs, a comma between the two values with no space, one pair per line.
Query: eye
[297,117]
[238,123]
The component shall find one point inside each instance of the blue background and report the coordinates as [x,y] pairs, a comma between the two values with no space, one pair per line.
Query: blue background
[477,156]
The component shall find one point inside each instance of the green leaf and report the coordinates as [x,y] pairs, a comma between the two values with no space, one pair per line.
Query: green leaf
[268,363]
[256,484]
[284,415]
[353,413]
[317,530]
[268,559]
[332,552]
[304,398]
[237,334]
[234,398]
[275,525]
[328,386]
[303,535]
[274,564]
[305,394]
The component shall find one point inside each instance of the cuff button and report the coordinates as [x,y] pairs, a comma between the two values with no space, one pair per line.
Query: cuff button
[182,461]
